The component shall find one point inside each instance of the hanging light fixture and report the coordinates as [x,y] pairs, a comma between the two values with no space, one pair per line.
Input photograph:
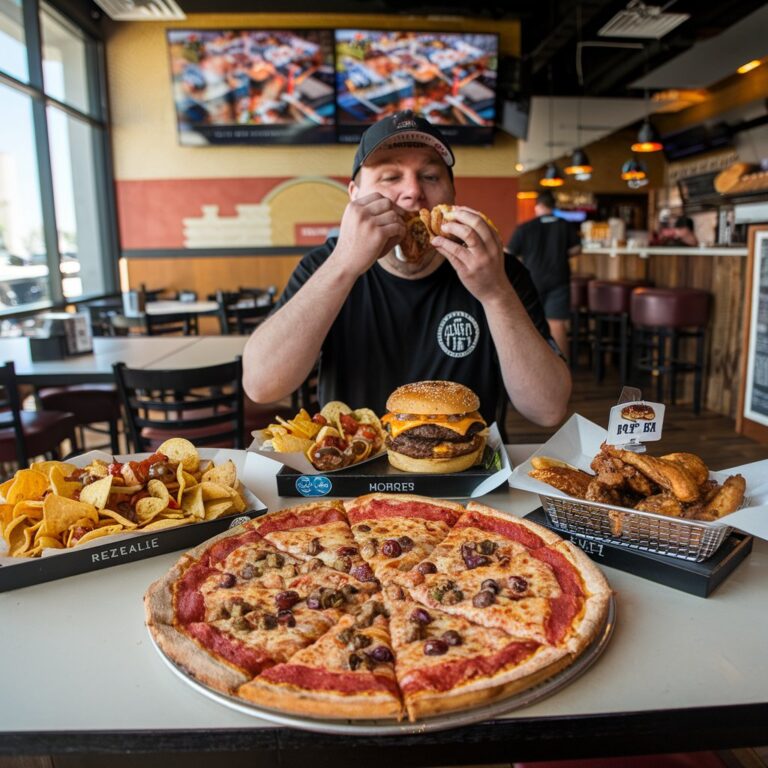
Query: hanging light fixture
[633,170]
[579,166]
[647,138]
[551,177]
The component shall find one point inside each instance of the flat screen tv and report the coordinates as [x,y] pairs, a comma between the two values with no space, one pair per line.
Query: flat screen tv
[249,86]
[450,78]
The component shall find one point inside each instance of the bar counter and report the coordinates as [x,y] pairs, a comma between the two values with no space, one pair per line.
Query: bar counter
[719,270]
[680,673]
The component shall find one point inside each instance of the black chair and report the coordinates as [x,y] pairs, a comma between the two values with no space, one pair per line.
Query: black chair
[240,313]
[27,434]
[99,312]
[204,405]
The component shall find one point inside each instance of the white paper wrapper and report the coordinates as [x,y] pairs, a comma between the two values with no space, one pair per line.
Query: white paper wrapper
[578,440]
[247,473]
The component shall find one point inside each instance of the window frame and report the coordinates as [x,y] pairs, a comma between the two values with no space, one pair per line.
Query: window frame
[98,120]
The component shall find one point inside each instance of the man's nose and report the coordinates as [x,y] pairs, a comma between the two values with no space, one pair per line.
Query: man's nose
[412,188]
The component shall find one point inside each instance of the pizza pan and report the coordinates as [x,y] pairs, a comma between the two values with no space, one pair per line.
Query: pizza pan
[439,722]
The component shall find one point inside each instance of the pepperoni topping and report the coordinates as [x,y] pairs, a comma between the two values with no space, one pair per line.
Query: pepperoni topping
[327,680]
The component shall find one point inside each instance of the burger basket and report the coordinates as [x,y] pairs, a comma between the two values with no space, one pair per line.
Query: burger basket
[645,531]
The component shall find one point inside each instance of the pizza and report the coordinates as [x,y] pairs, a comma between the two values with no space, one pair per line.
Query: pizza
[378,608]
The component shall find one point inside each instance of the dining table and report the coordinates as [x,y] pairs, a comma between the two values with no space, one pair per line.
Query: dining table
[81,675]
[136,352]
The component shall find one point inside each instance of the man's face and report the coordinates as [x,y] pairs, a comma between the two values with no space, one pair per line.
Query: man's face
[411,177]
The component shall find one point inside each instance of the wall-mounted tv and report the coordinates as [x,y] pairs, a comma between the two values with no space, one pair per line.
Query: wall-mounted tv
[246,86]
[450,78]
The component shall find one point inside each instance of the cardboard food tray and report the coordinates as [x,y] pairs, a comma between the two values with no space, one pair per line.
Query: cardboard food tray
[377,476]
[577,442]
[700,579]
[16,572]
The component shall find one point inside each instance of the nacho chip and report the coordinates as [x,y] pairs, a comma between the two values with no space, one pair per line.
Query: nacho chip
[289,443]
[111,514]
[27,484]
[225,473]
[180,451]
[59,513]
[97,533]
[213,490]
[216,508]
[149,508]
[32,509]
[48,542]
[158,489]
[97,493]
[14,533]
[44,467]
[60,484]
[78,529]
[192,502]
[332,410]
[4,487]
[166,523]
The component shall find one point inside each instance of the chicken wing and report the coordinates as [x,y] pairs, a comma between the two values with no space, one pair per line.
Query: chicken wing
[574,482]
[693,463]
[661,504]
[728,498]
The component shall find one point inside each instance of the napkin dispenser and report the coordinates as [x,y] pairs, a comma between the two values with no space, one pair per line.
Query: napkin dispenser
[61,334]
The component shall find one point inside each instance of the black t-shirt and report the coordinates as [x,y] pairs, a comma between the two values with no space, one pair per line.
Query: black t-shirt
[391,331]
[543,243]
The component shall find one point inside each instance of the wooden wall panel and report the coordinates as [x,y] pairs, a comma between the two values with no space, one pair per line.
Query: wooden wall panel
[725,278]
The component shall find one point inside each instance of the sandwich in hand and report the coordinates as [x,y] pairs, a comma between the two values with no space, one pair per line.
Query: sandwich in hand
[434,427]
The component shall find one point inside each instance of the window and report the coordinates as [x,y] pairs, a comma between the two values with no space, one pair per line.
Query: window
[56,224]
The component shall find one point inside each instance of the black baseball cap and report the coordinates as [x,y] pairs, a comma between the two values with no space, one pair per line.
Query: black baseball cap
[403,129]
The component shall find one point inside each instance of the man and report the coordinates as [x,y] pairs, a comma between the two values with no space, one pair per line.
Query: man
[377,322]
[545,244]
[684,234]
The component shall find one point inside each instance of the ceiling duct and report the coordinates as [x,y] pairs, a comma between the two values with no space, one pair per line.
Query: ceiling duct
[642,21]
[141,10]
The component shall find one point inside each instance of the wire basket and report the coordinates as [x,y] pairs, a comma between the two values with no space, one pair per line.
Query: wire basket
[632,528]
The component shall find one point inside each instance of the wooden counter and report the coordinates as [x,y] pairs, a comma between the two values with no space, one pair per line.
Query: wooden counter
[721,271]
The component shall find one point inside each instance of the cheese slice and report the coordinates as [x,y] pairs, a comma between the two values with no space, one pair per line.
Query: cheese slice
[398,426]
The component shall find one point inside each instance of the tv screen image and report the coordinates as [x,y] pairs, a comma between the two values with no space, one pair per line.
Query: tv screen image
[252,86]
[449,78]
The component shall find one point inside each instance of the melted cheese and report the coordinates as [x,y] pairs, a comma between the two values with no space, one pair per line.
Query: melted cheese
[397,426]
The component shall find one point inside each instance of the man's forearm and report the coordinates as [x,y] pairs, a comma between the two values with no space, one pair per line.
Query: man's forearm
[282,350]
[537,380]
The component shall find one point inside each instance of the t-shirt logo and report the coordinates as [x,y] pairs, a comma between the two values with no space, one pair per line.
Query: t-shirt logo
[458,334]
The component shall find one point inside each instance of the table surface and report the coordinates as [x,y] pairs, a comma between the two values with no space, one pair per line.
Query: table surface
[681,672]
[136,352]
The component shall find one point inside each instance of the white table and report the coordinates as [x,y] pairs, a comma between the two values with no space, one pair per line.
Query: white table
[136,352]
[79,673]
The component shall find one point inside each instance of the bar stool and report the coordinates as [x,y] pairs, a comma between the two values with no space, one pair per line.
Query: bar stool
[579,316]
[609,306]
[661,318]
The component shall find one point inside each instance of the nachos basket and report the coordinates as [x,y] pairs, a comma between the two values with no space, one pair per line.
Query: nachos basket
[645,531]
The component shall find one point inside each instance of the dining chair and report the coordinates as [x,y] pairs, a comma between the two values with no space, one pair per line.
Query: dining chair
[27,434]
[204,405]
[239,313]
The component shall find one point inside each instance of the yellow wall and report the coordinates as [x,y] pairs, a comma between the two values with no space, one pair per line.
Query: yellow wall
[145,143]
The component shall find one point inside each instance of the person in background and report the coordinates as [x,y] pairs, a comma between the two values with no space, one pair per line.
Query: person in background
[462,311]
[545,245]
[684,234]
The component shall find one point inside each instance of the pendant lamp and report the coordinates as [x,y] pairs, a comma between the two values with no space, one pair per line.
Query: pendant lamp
[551,177]
[633,170]
[579,165]
[647,138]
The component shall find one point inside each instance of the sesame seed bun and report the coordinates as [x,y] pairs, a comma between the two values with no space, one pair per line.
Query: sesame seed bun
[433,397]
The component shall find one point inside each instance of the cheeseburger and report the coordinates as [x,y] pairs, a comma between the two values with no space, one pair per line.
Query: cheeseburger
[434,427]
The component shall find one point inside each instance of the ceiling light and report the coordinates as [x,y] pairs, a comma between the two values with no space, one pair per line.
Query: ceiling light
[141,10]
[642,21]
[647,139]
[749,66]
[519,167]
[579,165]
[526,195]
[551,177]
[633,170]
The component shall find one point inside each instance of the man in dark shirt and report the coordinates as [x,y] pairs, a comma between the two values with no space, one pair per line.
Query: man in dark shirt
[462,311]
[545,245]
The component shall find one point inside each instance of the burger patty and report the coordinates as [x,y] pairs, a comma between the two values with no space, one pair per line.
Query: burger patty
[421,448]
[443,434]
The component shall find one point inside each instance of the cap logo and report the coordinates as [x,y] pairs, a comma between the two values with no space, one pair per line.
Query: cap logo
[406,124]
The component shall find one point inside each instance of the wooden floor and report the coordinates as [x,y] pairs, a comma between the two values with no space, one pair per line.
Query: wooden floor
[710,435]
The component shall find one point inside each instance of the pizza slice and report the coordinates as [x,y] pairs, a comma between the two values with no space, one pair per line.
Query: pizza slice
[395,533]
[316,531]
[347,673]
[445,663]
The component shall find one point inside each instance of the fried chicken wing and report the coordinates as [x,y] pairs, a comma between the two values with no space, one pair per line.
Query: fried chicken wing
[662,504]
[670,475]
[614,472]
[693,463]
[574,482]
[605,494]
[728,498]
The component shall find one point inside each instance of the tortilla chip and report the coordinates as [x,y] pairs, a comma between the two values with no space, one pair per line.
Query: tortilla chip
[44,467]
[192,502]
[180,451]
[225,473]
[217,507]
[60,513]
[159,490]
[97,533]
[149,508]
[27,484]
[129,525]
[166,523]
[332,410]
[97,493]
[290,443]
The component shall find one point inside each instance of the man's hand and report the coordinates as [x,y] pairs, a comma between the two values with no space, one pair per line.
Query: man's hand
[479,258]
[370,228]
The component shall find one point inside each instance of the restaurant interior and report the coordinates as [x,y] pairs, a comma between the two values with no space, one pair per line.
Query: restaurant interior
[166,164]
